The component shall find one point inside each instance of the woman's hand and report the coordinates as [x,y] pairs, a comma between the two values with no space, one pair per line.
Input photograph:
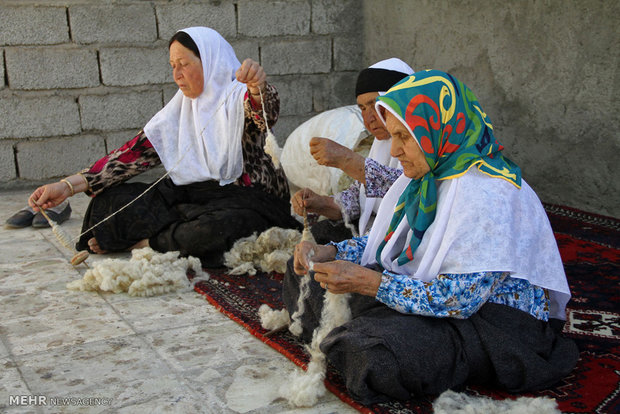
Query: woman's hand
[306,251]
[330,153]
[311,202]
[49,195]
[253,75]
[341,276]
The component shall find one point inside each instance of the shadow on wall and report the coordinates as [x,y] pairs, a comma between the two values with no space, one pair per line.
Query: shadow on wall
[545,72]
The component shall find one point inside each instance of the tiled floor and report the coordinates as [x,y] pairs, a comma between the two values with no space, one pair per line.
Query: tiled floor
[172,353]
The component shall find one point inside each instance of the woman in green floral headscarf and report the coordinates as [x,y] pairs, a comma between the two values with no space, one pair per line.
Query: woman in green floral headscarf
[460,279]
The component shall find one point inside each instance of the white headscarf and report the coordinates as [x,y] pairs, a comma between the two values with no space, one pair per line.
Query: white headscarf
[481,224]
[380,152]
[206,131]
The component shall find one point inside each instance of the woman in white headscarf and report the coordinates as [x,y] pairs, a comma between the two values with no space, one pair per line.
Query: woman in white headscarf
[460,280]
[356,206]
[209,138]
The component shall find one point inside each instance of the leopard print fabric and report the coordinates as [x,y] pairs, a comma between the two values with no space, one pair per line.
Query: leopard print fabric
[138,154]
[257,164]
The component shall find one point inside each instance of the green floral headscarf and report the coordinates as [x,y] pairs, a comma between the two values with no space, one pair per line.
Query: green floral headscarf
[445,118]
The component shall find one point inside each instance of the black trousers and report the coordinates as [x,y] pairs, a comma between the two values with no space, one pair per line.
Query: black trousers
[384,354]
[202,219]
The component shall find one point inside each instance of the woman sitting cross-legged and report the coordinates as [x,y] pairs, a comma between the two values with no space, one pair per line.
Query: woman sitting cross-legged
[210,137]
[460,280]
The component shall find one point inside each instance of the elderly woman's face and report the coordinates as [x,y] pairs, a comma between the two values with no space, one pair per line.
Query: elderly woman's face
[406,149]
[186,70]
[366,103]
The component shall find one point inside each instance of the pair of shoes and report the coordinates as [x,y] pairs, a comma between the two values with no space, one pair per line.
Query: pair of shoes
[23,218]
[28,217]
[59,214]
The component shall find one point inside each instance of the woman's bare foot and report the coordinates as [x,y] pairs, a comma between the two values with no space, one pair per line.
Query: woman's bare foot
[93,245]
[140,244]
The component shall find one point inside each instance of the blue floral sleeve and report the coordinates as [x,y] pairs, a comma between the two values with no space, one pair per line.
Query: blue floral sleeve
[379,178]
[351,250]
[450,295]
[461,295]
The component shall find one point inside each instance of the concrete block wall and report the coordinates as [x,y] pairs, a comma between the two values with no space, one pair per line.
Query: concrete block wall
[546,73]
[80,77]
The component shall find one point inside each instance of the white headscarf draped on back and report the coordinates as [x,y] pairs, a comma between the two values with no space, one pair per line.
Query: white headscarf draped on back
[467,214]
[483,224]
[206,131]
[379,151]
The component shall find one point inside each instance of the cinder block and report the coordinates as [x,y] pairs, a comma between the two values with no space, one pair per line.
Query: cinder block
[51,67]
[2,82]
[113,23]
[54,157]
[7,161]
[33,25]
[220,18]
[246,49]
[119,111]
[295,94]
[135,66]
[348,53]
[38,117]
[333,90]
[300,56]
[274,18]
[337,16]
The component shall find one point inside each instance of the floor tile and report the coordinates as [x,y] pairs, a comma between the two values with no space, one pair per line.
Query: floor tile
[164,312]
[48,273]
[18,251]
[11,384]
[77,324]
[96,366]
[173,353]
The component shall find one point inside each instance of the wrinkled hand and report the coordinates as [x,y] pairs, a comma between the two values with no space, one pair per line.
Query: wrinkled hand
[340,276]
[308,250]
[329,153]
[252,74]
[305,200]
[315,203]
[49,195]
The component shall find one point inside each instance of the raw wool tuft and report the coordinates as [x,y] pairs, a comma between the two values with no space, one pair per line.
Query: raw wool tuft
[304,293]
[147,273]
[304,285]
[272,149]
[271,319]
[304,389]
[451,402]
[271,146]
[268,252]
[61,235]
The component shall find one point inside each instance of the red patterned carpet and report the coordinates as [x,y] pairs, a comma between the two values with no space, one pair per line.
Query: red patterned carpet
[590,249]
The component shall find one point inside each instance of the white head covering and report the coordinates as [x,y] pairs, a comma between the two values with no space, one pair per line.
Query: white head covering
[394,64]
[481,224]
[206,131]
[380,152]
